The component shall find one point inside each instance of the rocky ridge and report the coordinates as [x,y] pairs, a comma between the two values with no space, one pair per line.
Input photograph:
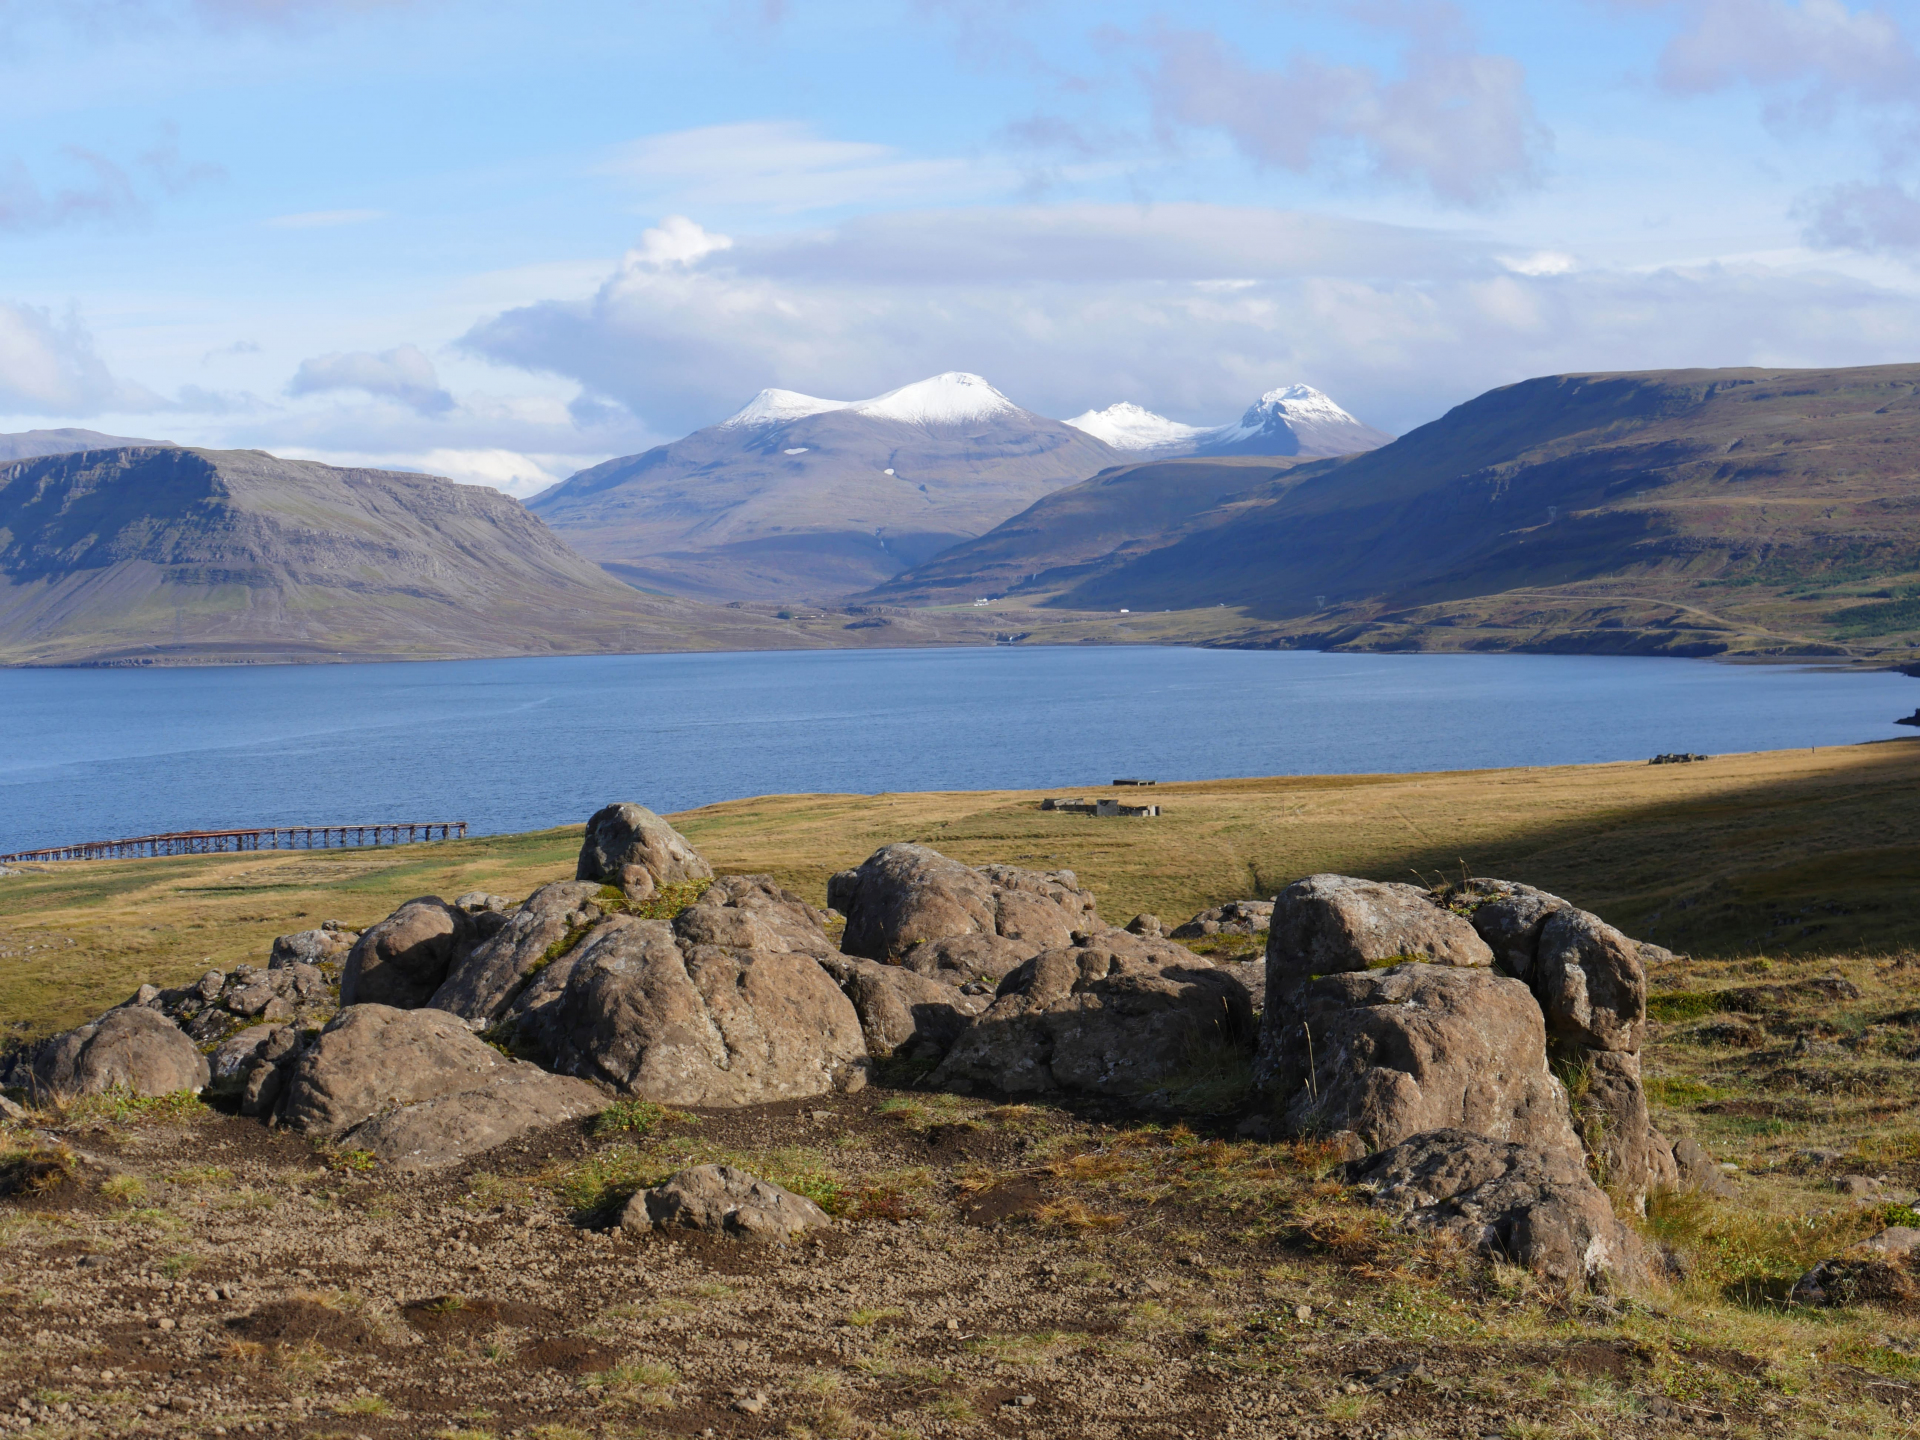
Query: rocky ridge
[1427,1035]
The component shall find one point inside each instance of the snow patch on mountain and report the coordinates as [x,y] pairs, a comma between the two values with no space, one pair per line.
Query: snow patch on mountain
[777,407]
[1131,427]
[950,399]
[1292,405]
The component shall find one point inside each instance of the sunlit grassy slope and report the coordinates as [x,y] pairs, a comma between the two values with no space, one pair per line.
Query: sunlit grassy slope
[1792,852]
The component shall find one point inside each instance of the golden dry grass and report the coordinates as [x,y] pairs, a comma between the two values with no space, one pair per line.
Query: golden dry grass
[1790,851]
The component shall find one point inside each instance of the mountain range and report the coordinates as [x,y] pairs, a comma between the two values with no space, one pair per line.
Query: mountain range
[153,554]
[1293,420]
[798,496]
[1771,512]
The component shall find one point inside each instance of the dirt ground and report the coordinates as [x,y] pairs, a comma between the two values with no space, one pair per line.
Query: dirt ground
[995,1269]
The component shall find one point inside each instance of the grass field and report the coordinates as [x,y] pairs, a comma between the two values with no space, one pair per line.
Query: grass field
[1791,853]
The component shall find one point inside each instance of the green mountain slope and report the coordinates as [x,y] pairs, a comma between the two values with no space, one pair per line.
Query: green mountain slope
[157,555]
[1695,512]
[1097,525]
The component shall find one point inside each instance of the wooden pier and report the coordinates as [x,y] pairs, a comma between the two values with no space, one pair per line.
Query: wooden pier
[267,837]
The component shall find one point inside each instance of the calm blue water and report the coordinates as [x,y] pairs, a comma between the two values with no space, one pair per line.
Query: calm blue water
[520,744]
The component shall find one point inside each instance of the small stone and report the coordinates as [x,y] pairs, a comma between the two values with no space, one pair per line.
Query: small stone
[751,1404]
[1021,1400]
[1303,1313]
[953,1324]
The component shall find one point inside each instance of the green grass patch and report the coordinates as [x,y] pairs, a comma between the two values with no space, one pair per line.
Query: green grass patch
[1679,1006]
[123,1107]
[1679,1093]
[635,1117]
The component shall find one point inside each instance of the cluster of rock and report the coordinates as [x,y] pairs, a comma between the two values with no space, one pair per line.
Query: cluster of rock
[1425,1034]
[1396,1016]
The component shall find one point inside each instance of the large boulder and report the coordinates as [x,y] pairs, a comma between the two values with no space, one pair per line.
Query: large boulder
[130,1048]
[753,912]
[1115,1015]
[968,960]
[403,959]
[1390,1053]
[419,1089]
[904,895]
[1509,917]
[630,846]
[447,1129]
[1591,983]
[1329,924]
[1512,1202]
[326,945]
[481,986]
[720,1200]
[686,1022]
[1610,1112]
[903,1012]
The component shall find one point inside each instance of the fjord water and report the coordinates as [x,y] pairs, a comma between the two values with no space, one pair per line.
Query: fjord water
[520,744]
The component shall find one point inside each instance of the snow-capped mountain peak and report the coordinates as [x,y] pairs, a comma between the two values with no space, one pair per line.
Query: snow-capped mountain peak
[777,407]
[1290,420]
[949,399]
[1126,426]
[1296,403]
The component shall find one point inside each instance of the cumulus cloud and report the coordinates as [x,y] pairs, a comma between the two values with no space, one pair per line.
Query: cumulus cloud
[1814,54]
[1863,216]
[1455,122]
[1811,60]
[1414,322]
[510,471]
[403,374]
[49,367]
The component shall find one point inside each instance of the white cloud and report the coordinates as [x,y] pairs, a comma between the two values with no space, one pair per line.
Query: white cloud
[1861,216]
[403,374]
[786,167]
[1397,325]
[676,240]
[324,219]
[1455,122]
[1810,60]
[518,475]
[1820,50]
[49,367]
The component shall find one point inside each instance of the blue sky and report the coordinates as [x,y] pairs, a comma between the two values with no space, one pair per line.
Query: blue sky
[501,241]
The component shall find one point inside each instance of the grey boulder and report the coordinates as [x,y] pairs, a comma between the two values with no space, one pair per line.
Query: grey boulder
[1509,917]
[311,947]
[1695,1169]
[686,1022]
[904,895]
[1115,1015]
[1512,1202]
[1329,924]
[967,959]
[1591,983]
[252,1065]
[633,848]
[1386,1054]
[900,1010]
[419,1089]
[720,1200]
[404,958]
[130,1048]
[483,983]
